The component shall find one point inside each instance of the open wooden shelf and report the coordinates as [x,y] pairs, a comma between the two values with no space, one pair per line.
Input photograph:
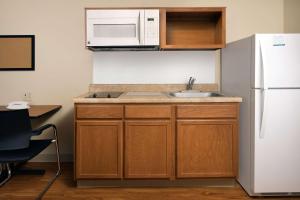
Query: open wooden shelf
[192,28]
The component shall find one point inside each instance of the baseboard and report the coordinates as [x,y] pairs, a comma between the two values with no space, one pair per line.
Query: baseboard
[52,158]
[205,182]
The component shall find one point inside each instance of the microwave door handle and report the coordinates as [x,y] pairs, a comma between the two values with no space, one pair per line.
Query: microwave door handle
[141,27]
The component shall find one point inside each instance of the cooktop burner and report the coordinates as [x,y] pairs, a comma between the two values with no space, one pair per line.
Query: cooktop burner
[105,95]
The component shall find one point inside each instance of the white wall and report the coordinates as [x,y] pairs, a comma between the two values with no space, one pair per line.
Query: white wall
[153,67]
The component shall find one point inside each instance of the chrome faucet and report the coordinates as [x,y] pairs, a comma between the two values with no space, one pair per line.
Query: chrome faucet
[190,84]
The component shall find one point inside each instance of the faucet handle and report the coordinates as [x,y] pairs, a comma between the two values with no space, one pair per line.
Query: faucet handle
[193,80]
[190,84]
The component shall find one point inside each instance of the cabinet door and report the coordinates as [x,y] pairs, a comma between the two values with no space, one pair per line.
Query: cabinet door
[98,149]
[148,149]
[206,148]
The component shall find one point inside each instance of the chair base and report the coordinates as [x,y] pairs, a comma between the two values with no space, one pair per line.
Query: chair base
[20,169]
[48,185]
[29,171]
[58,172]
[41,194]
[7,167]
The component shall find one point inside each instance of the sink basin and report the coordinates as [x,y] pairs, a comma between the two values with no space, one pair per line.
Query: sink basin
[187,94]
[104,95]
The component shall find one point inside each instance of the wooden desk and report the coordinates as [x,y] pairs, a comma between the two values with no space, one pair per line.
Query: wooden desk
[36,111]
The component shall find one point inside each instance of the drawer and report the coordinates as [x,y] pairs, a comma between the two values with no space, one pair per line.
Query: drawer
[207,111]
[99,111]
[148,111]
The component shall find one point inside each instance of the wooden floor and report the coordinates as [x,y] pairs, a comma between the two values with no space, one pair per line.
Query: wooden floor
[23,187]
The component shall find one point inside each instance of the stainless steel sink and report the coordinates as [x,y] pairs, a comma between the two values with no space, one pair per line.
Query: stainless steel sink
[187,94]
[104,95]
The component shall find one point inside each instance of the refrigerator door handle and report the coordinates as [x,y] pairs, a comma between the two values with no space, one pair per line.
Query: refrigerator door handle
[264,68]
[263,114]
[264,91]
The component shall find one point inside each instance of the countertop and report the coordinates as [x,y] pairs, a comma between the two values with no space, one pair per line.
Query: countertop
[164,97]
[151,93]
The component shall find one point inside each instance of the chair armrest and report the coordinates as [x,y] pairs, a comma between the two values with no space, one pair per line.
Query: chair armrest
[42,128]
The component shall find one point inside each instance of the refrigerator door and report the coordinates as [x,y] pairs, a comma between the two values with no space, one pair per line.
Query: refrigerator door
[276,147]
[277,61]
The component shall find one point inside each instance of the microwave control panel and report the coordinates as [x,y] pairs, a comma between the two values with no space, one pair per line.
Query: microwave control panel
[151,27]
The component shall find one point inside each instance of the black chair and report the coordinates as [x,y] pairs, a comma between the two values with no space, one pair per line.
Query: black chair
[16,145]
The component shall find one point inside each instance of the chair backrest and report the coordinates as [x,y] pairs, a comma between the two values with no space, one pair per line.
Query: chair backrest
[15,129]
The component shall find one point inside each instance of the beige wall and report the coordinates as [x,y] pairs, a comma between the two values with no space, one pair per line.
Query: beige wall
[291,16]
[64,66]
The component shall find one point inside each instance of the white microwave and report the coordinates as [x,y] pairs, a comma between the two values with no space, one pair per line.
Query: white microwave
[122,28]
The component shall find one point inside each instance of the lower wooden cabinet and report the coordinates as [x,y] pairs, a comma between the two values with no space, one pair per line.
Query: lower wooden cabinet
[147,149]
[206,148]
[156,141]
[99,149]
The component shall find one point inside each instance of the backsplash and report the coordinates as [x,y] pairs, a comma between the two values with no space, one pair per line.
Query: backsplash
[156,67]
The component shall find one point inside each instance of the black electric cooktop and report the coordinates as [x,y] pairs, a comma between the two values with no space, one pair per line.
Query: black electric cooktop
[104,95]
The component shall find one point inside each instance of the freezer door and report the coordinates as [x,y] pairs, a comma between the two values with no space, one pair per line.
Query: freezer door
[276,147]
[277,60]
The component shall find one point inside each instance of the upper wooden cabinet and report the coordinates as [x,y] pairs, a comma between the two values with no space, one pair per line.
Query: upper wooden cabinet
[192,28]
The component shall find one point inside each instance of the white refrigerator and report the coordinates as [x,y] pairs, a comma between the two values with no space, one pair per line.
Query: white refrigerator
[264,69]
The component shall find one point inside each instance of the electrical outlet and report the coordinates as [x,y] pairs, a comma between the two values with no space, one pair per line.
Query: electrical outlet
[27,97]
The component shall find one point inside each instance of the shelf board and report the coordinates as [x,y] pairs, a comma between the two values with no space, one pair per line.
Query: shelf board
[193,47]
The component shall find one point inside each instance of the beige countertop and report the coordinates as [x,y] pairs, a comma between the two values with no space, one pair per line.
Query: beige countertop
[151,93]
[148,98]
